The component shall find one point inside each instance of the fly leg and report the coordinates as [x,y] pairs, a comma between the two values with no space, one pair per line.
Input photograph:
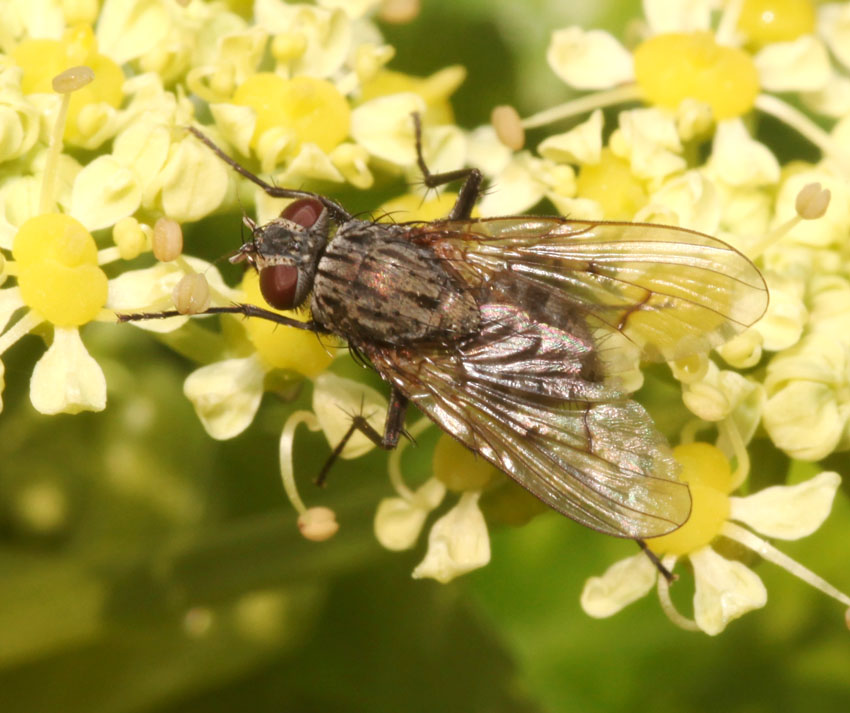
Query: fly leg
[666,573]
[393,428]
[243,309]
[469,192]
[337,212]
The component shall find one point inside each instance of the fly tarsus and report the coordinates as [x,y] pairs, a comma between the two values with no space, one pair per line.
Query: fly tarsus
[666,573]
[393,428]
[470,190]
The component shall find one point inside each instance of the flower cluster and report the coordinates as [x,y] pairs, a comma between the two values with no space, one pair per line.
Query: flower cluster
[303,94]
[702,73]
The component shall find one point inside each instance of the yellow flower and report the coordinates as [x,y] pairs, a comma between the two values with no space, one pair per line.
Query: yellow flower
[724,589]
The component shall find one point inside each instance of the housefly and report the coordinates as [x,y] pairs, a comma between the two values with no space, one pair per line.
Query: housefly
[512,333]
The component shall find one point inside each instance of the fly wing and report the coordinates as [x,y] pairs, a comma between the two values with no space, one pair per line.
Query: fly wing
[671,292]
[530,397]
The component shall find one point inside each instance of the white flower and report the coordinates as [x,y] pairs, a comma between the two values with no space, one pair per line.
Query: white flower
[724,589]
[226,395]
[384,128]
[801,65]
[589,59]
[458,542]
[581,144]
[678,15]
[740,160]
[398,521]
[649,140]
[66,379]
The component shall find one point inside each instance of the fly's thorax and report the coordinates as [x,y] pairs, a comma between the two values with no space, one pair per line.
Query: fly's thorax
[285,252]
[373,284]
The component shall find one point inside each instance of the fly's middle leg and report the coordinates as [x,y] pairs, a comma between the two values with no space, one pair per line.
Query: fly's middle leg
[393,428]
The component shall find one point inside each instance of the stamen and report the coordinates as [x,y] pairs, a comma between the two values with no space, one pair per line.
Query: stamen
[727,26]
[508,126]
[167,241]
[812,201]
[64,83]
[667,605]
[318,524]
[399,12]
[19,329]
[394,461]
[191,295]
[771,554]
[803,125]
[287,439]
[689,431]
[811,204]
[728,428]
[583,105]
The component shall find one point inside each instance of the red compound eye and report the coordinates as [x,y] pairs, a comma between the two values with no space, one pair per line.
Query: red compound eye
[277,285]
[304,211]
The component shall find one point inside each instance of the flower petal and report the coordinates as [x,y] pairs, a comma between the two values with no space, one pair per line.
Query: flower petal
[581,144]
[739,159]
[678,15]
[104,192]
[458,542]
[398,521]
[791,66]
[67,379]
[623,583]
[384,128]
[788,512]
[591,59]
[226,395]
[516,189]
[725,590]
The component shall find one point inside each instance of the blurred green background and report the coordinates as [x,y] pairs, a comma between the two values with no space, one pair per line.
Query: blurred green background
[145,567]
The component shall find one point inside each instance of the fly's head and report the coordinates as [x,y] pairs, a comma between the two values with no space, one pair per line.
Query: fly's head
[285,252]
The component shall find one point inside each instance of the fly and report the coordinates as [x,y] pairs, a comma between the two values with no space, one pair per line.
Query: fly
[511,333]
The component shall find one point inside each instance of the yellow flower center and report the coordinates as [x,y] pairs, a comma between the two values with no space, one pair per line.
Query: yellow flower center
[612,184]
[707,473]
[458,468]
[281,347]
[312,109]
[672,67]
[57,270]
[42,60]
[767,21]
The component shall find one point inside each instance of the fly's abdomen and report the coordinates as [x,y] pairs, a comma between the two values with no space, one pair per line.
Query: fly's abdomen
[372,285]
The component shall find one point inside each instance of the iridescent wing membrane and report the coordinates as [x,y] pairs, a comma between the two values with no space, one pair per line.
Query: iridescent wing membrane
[535,391]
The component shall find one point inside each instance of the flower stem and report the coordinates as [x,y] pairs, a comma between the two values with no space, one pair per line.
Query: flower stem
[287,439]
[667,604]
[771,554]
[805,127]
[582,105]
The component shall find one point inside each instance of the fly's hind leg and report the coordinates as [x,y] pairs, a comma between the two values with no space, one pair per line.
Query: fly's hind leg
[393,428]
[469,192]
[663,571]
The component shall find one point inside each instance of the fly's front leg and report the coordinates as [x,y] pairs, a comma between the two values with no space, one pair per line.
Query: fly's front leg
[243,309]
[469,192]
[337,212]
[389,440]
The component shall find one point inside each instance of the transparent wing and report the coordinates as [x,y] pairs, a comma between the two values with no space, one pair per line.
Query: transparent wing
[533,399]
[671,292]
